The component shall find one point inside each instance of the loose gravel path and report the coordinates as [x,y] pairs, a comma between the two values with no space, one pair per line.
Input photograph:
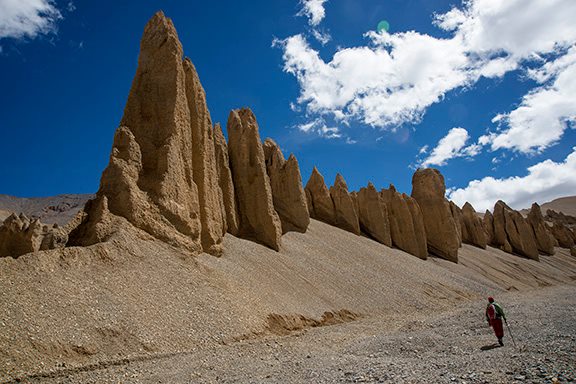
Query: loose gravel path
[455,347]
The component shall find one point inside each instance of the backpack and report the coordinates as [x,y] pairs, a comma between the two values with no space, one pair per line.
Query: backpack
[499,311]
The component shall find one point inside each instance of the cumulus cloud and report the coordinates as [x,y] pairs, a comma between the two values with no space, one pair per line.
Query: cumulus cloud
[313,10]
[450,146]
[394,78]
[27,18]
[543,115]
[545,181]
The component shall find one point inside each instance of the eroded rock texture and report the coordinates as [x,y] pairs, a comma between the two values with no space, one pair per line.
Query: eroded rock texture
[563,235]
[488,223]
[428,189]
[512,233]
[542,235]
[258,219]
[373,214]
[149,180]
[287,191]
[20,235]
[205,173]
[457,215]
[344,209]
[320,203]
[473,231]
[225,180]
[407,230]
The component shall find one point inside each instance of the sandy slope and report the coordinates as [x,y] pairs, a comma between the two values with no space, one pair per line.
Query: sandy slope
[135,296]
[455,346]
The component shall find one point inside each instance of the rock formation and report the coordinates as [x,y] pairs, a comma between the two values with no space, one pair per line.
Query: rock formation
[354,197]
[473,231]
[543,237]
[344,209]
[488,224]
[407,230]
[149,180]
[428,189]
[373,214]
[573,251]
[563,235]
[20,235]
[287,191]
[205,174]
[512,233]
[559,217]
[258,219]
[225,180]
[457,215]
[320,204]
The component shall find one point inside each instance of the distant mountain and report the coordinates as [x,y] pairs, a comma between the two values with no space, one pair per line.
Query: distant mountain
[566,205]
[50,210]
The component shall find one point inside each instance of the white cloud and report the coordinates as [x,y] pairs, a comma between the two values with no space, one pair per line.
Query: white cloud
[319,127]
[322,37]
[314,10]
[543,115]
[545,181]
[394,78]
[450,146]
[27,18]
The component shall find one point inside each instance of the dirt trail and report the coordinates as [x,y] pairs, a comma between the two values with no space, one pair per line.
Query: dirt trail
[451,347]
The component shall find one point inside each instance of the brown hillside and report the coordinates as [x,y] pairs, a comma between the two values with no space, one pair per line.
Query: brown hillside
[135,295]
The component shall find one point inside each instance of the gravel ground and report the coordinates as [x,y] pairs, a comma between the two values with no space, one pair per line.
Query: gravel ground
[448,347]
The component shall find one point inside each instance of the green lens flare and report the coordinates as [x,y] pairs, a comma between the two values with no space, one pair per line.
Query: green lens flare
[383,26]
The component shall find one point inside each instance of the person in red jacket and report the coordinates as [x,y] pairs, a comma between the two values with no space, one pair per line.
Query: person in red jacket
[494,316]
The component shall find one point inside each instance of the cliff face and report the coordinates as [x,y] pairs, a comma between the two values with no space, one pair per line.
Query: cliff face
[258,219]
[287,191]
[428,189]
[173,175]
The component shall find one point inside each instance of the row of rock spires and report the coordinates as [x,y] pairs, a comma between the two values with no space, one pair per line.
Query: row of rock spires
[172,174]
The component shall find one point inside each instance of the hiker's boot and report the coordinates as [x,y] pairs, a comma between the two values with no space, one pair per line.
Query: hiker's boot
[500,342]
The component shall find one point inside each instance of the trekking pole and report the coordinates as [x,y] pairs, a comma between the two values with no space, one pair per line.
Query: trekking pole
[510,332]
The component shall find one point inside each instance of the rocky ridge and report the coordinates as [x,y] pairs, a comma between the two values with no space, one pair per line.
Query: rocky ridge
[173,175]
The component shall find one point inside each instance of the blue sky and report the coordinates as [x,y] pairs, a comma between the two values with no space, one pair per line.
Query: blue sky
[484,90]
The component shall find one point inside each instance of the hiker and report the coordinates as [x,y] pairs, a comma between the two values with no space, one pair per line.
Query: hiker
[494,316]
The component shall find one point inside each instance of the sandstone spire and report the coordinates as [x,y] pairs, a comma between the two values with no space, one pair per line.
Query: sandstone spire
[320,203]
[225,180]
[149,180]
[457,215]
[563,235]
[345,212]
[488,224]
[258,219]
[373,215]
[543,237]
[473,231]
[512,233]
[420,245]
[205,174]
[287,191]
[406,223]
[428,189]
